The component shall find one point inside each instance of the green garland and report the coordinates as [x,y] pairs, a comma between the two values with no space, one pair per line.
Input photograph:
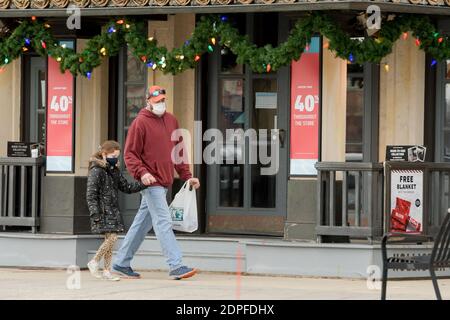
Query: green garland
[213,31]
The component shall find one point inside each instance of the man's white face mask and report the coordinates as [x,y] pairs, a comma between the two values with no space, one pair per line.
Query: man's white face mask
[159,108]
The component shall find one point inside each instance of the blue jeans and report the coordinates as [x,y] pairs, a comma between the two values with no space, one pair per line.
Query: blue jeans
[153,212]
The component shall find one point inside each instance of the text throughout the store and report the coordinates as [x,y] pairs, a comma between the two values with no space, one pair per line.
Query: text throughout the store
[305,105]
[59,118]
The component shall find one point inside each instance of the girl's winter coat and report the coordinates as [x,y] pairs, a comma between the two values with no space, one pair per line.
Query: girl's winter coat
[104,183]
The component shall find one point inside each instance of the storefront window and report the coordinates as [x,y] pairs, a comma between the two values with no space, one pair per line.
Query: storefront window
[263,117]
[135,85]
[355,107]
[446,127]
[231,116]
[41,105]
[448,70]
[228,63]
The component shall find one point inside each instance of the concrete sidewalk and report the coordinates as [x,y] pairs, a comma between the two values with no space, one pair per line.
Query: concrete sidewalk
[51,284]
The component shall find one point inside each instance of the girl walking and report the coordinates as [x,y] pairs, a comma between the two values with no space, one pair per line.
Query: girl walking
[104,182]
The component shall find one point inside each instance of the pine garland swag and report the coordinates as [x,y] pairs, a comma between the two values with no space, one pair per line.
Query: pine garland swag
[213,31]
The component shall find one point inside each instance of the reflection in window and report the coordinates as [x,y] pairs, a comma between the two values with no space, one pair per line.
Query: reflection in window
[135,85]
[41,106]
[228,62]
[231,116]
[263,117]
[232,104]
[446,128]
[135,101]
[355,106]
[448,70]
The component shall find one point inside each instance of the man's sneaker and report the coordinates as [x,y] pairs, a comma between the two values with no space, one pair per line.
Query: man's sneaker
[126,272]
[182,273]
[93,268]
[108,276]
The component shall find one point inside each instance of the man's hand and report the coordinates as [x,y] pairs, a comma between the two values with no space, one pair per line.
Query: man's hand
[148,179]
[194,182]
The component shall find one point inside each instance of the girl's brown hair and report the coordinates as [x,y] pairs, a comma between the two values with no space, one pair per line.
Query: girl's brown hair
[106,147]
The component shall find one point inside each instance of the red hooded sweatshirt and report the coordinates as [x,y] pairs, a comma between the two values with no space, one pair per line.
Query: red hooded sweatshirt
[149,147]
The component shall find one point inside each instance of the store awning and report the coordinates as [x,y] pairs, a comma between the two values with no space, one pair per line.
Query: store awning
[55,8]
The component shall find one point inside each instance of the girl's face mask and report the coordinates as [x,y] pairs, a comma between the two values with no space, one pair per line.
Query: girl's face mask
[159,108]
[112,158]
[112,161]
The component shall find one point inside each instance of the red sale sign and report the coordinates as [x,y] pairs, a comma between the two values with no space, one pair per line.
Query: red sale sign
[59,119]
[305,105]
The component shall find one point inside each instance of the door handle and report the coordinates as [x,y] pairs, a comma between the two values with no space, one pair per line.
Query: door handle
[281,133]
[282,136]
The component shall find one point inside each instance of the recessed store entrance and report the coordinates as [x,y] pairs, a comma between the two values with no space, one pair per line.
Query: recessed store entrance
[239,198]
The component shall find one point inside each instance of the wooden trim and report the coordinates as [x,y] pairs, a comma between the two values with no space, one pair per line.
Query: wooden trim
[231,8]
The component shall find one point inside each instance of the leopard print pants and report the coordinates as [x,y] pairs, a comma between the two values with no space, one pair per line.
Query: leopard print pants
[106,249]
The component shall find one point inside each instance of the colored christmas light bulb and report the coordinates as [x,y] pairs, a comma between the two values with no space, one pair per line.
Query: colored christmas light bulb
[433,62]
[88,75]
[405,35]
[197,57]
[27,41]
[268,67]
[210,48]
[213,41]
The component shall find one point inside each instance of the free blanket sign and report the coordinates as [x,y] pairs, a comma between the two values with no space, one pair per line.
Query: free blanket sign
[406,201]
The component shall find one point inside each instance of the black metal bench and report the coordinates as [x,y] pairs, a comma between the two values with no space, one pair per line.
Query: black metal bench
[438,259]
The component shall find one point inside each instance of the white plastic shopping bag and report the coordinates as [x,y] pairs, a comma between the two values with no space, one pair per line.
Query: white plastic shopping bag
[183,209]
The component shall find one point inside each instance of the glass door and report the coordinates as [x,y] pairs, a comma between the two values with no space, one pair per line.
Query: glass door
[132,76]
[37,100]
[246,192]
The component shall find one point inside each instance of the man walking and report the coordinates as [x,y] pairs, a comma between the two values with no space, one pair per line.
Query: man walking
[148,158]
